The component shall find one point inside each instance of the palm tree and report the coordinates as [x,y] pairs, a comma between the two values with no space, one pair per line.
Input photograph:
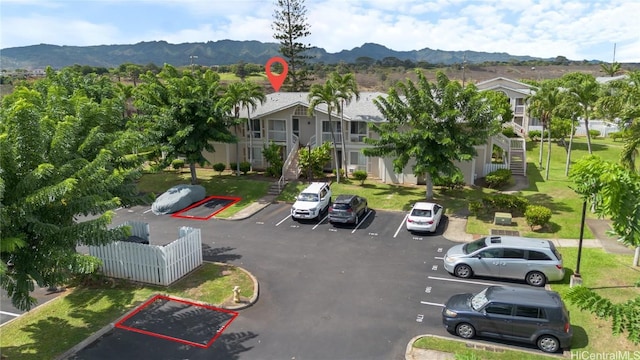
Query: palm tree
[611,69]
[585,89]
[543,105]
[346,88]
[328,95]
[631,147]
[244,95]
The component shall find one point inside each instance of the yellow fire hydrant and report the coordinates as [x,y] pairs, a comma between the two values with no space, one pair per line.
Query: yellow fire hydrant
[236,294]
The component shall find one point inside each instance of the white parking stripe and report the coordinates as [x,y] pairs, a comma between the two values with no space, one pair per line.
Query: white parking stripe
[438,257]
[320,222]
[9,313]
[430,303]
[361,221]
[283,220]
[401,225]
[459,280]
[146,211]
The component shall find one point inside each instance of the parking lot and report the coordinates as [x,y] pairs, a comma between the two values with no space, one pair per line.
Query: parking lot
[343,292]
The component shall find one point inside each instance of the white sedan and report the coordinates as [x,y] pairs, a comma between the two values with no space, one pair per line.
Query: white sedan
[424,217]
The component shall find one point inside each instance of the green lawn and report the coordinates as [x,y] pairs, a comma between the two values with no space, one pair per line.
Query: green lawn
[54,328]
[555,193]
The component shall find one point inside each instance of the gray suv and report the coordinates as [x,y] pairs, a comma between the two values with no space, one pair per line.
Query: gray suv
[534,260]
[528,315]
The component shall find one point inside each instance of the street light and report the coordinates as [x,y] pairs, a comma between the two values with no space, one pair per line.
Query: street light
[576,278]
[191,57]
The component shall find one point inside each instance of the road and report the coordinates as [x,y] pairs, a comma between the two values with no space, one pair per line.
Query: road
[325,292]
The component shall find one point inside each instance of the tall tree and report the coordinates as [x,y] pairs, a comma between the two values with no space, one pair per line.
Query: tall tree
[346,89]
[328,95]
[614,192]
[433,124]
[244,95]
[543,105]
[290,26]
[186,112]
[585,89]
[63,154]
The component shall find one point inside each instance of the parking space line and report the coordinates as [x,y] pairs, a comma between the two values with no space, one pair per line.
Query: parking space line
[320,222]
[361,221]
[459,280]
[439,257]
[283,220]
[401,224]
[9,313]
[146,211]
[430,303]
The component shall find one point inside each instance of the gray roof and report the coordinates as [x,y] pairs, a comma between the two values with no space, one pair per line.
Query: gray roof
[357,110]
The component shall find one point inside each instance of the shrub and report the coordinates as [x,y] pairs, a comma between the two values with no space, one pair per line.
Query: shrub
[341,172]
[177,164]
[498,178]
[505,203]
[360,175]
[245,167]
[475,207]
[594,133]
[616,135]
[233,166]
[450,182]
[537,215]
[219,167]
[509,132]
[535,135]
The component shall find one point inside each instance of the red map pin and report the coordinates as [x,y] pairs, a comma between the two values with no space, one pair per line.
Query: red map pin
[277,79]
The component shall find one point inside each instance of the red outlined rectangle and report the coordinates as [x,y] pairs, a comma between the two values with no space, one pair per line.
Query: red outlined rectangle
[233,314]
[181,214]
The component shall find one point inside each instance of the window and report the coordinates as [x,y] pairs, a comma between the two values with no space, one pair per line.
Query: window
[491,253]
[513,253]
[358,131]
[499,309]
[277,130]
[529,311]
[538,255]
[326,131]
[358,159]
[296,126]
[255,128]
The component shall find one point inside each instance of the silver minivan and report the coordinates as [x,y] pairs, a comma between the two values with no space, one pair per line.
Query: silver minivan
[534,260]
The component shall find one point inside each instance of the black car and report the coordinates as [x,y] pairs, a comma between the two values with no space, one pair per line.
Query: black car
[348,209]
[533,316]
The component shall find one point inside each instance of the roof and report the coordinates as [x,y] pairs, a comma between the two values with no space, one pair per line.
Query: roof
[520,242]
[523,296]
[363,109]
[314,187]
[423,205]
[513,85]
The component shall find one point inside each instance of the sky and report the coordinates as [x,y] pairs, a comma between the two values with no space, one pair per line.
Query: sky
[577,30]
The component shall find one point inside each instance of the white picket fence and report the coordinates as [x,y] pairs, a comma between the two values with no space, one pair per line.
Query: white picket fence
[152,264]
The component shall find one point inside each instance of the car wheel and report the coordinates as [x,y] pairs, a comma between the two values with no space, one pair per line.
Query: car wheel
[465,330]
[548,343]
[463,271]
[536,278]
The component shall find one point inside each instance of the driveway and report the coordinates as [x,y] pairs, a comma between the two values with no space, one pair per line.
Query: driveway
[325,293]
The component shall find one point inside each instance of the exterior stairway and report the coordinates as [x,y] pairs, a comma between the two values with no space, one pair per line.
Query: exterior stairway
[517,162]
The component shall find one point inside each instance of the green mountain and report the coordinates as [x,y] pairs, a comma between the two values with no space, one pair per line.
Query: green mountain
[223,52]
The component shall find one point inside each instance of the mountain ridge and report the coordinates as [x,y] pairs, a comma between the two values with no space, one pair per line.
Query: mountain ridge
[223,52]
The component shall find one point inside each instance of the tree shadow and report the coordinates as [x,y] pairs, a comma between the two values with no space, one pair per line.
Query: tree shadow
[548,201]
[218,254]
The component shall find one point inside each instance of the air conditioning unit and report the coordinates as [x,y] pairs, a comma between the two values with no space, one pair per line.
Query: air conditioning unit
[352,168]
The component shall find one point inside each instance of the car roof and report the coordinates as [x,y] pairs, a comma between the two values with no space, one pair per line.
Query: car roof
[314,187]
[523,296]
[422,205]
[344,198]
[519,242]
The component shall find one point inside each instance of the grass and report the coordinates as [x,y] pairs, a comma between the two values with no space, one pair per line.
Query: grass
[609,275]
[225,184]
[84,310]
[555,193]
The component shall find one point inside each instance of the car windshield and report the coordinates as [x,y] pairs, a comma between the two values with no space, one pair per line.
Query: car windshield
[474,245]
[421,213]
[479,300]
[308,197]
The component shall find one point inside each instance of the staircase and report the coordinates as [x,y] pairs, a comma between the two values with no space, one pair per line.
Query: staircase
[517,161]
